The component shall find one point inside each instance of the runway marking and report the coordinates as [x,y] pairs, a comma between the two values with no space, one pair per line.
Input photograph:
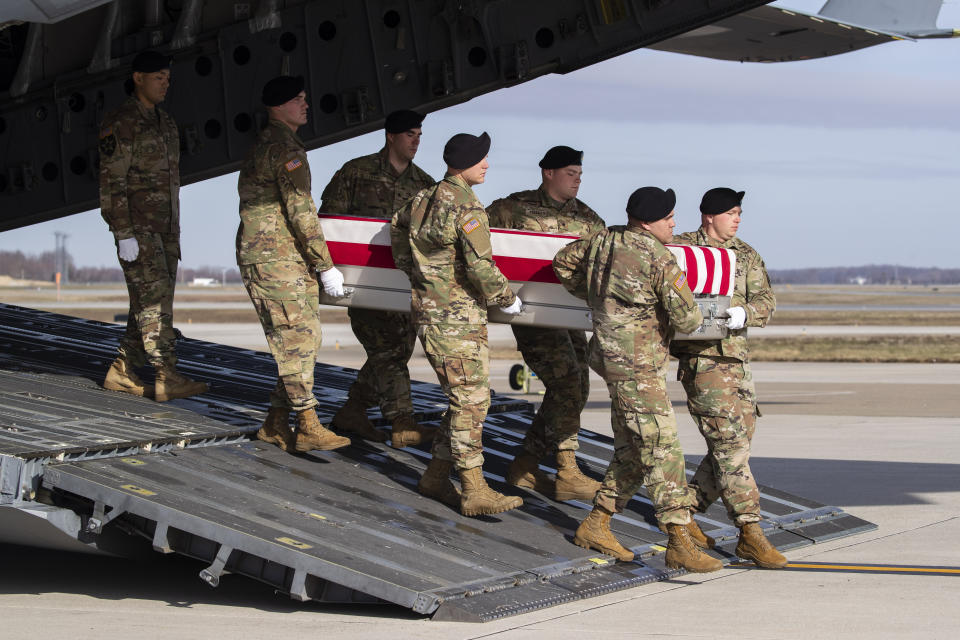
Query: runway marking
[843,567]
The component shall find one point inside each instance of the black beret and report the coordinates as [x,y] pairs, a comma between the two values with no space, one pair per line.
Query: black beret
[720,200]
[149,62]
[559,157]
[403,120]
[649,204]
[463,150]
[281,89]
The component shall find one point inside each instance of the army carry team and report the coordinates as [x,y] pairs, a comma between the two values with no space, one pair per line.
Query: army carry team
[440,237]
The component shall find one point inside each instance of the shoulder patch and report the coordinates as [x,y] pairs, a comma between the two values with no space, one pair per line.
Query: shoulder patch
[471,225]
[680,281]
[293,165]
[108,142]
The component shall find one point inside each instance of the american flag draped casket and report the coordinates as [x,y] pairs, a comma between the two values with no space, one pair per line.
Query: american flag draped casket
[360,247]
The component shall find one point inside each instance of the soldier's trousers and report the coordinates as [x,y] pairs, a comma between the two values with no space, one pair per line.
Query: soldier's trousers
[460,357]
[646,453]
[559,358]
[151,279]
[286,296]
[388,338]
[722,400]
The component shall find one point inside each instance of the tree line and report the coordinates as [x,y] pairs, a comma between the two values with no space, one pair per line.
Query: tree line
[867,274]
[17,264]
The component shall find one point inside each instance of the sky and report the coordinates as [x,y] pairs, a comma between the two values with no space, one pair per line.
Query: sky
[847,160]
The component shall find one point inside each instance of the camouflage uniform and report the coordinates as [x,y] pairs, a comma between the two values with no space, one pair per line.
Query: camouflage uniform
[140,198]
[441,240]
[557,356]
[720,393]
[638,295]
[370,187]
[280,248]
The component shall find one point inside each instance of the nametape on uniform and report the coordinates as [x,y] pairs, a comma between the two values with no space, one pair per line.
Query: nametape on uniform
[294,164]
[471,225]
[680,281]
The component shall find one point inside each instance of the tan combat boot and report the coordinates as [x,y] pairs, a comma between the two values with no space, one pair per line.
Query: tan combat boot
[525,472]
[753,545]
[594,533]
[407,433]
[699,538]
[122,377]
[171,385]
[682,552]
[435,483]
[571,483]
[276,429]
[352,418]
[477,499]
[313,435]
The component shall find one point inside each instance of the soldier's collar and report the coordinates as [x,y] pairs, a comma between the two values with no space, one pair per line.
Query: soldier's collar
[547,201]
[283,130]
[711,242]
[458,180]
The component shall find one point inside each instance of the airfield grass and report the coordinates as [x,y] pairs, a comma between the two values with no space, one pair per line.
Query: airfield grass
[910,348]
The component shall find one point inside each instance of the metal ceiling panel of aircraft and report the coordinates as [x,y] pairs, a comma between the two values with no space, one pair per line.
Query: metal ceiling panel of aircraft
[44,10]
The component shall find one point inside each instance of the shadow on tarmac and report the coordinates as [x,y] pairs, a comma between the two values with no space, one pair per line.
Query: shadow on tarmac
[172,579]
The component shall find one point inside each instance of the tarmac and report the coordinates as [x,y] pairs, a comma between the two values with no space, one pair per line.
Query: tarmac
[882,441]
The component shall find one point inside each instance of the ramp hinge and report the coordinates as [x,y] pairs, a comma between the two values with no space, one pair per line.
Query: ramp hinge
[211,575]
[100,518]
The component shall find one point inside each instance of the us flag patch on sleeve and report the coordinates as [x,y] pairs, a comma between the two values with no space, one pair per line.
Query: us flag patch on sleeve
[680,281]
[294,164]
[471,225]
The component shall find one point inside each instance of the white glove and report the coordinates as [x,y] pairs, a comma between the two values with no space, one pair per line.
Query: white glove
[332,281]
[737,317]
[515,309]
[128,249]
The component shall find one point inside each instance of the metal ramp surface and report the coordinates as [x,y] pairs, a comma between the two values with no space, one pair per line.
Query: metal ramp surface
[343,526]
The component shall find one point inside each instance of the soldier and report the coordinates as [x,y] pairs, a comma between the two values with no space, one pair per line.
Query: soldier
[140,201]
[557,356]
[280,251]
[441,240]
[719,384]
[638,295]
[375,186]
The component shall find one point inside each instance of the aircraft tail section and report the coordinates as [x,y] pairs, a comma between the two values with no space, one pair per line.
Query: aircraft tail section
[917,18]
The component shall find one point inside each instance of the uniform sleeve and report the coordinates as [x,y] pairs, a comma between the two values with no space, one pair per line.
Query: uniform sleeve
[761,301]
[571,268]
[595,222]
[116,156]
[337,195]
[498,214]
[670,284]
[293,180]
[473,235]
[400,238]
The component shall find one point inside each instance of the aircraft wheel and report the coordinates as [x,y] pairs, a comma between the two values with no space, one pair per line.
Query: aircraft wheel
[517,377]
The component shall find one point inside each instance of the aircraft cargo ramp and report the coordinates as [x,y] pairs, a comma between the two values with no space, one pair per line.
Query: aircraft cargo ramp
[342,526]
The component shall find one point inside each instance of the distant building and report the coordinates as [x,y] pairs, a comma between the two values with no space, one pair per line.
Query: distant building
[205,282]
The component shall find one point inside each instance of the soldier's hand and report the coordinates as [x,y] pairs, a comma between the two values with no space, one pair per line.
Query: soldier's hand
[128,249]
[332,281]
[737,317]
[514,309]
